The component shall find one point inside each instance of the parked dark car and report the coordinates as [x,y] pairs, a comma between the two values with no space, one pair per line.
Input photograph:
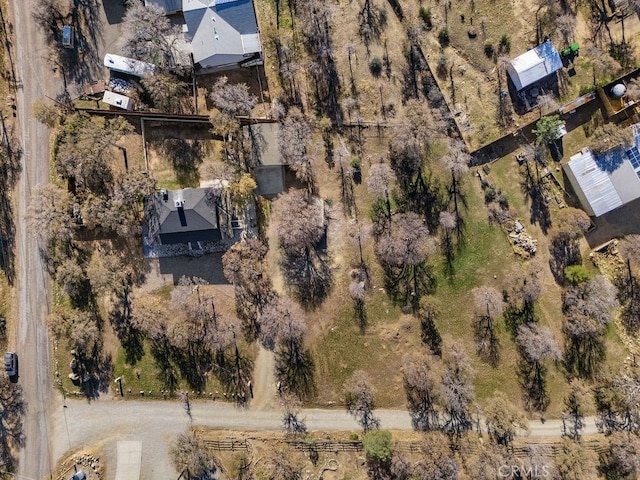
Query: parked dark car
[11,363]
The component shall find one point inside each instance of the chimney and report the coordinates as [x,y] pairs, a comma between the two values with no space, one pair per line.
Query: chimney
[178,199]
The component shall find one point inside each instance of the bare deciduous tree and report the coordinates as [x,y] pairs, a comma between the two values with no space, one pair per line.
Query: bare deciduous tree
[490,306]
[403,253]
[422,387]
[566,25]
[524,292]
[405,155]
[437,460]
[574,462]
[191,456]
[293,143]
[148,35]
[633,89]
[50,213]
[458,392]
[609,137]
[575,404]
[504,420]
[457,162]
[244,266]
[282,321]
[167,92]
[618,402]
[407,242]
[622,458]
[536,344]
[359,398]
[233,99]
[12,410]
[301,224]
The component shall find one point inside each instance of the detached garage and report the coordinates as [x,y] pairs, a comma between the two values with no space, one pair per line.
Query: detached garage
[600,187]
[534,65]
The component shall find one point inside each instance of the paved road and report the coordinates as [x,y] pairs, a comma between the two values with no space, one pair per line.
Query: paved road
[35,80]
[156,423]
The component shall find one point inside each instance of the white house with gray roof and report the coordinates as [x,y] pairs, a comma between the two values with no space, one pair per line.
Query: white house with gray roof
[222,34]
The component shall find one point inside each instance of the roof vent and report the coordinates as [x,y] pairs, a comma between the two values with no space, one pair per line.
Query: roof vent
[178,199]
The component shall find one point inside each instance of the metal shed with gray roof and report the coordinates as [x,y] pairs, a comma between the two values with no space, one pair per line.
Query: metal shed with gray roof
[602,186]
[534,65]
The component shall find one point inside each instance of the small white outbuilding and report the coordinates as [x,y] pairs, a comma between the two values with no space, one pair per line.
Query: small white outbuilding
[534,65]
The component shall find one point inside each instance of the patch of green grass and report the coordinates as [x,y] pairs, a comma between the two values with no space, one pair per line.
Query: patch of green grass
[343,349]
[143,376]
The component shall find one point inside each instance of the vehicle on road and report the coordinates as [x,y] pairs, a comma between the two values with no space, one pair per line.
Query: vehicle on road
[11,363]
[67,36]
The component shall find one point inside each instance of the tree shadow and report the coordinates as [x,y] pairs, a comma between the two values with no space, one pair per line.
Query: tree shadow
[583,354]
[193,363]
[372,22]
[532,380]
[81,63]
[295,369]
[10,168]
[308,275]
[565,251]
[234,373]
[409,283]
[185,157]
[516,315]
[101,368]
[12,437]
[533,188]
[425,197]
[167,372]
[429,332]
[487,341]
[360,314]
[448,250]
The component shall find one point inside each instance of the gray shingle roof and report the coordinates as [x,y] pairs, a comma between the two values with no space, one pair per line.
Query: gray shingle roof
[221,32]
[196,220]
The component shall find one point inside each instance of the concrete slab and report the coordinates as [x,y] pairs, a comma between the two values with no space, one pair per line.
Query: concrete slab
[129,460]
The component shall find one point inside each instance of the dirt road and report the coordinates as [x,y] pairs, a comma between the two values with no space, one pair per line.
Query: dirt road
[156,423]
[35,80]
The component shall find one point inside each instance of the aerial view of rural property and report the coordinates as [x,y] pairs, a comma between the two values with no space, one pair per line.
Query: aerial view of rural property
[320,240]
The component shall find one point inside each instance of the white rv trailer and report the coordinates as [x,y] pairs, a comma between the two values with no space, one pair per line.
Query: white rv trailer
[120,64]
[117,100]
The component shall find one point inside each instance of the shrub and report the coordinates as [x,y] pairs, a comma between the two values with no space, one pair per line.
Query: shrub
[382,17]
[488,49]
[490,194]
[503,201]
[441,68]
[355,163]
[377,446]
[425,15]
[443,37]
[375,66]
[505,43]
[576,274]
